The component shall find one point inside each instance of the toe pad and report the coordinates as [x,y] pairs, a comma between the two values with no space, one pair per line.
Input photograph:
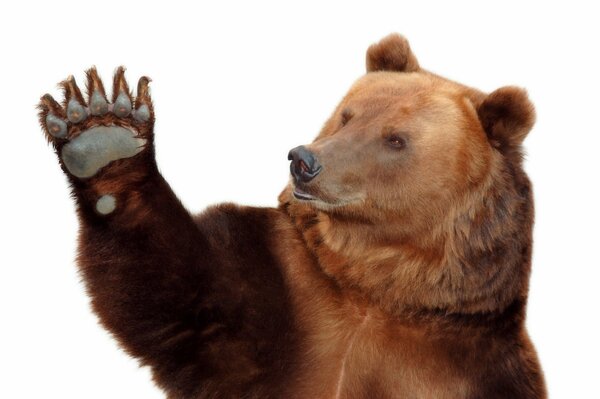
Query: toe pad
[122,106]
[142,114]
[56,126]
[75,111]
[98,104]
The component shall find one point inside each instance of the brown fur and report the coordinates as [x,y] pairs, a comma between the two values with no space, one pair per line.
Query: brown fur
[120,84]
[94,83]
[392,53]
[406,278]
[71,90]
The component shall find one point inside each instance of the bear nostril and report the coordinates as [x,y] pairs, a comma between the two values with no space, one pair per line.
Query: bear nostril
[303,167]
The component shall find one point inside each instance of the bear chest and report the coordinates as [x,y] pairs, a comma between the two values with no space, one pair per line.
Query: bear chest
[349,349]
[354,352]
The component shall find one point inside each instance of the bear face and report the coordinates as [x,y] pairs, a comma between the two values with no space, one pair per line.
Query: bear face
[418,197]
[393,142]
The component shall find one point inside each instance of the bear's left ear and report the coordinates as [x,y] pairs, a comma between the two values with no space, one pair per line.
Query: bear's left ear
[507,116]
[392,53]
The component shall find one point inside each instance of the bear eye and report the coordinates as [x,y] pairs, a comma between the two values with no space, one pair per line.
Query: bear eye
[396,141]
[346,116]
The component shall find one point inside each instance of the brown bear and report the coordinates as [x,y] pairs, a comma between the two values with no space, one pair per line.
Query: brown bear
[396,265]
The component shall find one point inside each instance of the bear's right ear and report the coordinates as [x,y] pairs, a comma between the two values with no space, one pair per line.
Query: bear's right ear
[392,53]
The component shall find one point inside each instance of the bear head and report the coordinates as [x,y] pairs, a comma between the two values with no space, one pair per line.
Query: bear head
[414,194]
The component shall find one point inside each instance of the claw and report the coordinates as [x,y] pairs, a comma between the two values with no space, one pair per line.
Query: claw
[74,101]
[94,83]
[142,101]
[96,93]
[51,117]
[49,104]
[121,96]
[72,91]
[143,91]
[119,83]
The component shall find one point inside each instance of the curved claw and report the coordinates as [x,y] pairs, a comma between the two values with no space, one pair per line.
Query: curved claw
[49,105]
[121,95]
[71,90]
[120,84]
[143,91]
[74,101]
[96,94]
[94,83]
[143,101]
[51,118]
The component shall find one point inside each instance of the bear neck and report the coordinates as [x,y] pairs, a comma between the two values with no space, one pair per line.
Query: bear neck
[476,260]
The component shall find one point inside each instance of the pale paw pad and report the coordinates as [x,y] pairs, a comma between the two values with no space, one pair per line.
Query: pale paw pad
[122,106]
[75,111]
[142,114]
[95,148]
[56,126]
[106,204]
[98,104]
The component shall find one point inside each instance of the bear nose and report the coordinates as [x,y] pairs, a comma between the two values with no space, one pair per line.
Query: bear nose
[304,165]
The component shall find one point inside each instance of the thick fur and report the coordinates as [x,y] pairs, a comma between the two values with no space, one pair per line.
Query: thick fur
[406,277]
[392,53]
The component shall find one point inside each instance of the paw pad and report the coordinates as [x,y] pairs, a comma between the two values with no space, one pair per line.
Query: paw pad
[106,204]
[56,126]
[142,114]
[122,106]
[75,111]
[97,147]
[98,104]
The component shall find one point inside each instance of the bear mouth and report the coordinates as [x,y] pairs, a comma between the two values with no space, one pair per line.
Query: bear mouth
[303,195]
[321,202]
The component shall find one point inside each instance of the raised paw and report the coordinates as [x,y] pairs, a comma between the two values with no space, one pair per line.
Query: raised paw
[88,136]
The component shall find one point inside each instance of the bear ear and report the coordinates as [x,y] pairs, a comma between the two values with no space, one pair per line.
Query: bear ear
[507,116]
[392,53]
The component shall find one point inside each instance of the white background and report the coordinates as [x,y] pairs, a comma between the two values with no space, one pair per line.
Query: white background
[235,87]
